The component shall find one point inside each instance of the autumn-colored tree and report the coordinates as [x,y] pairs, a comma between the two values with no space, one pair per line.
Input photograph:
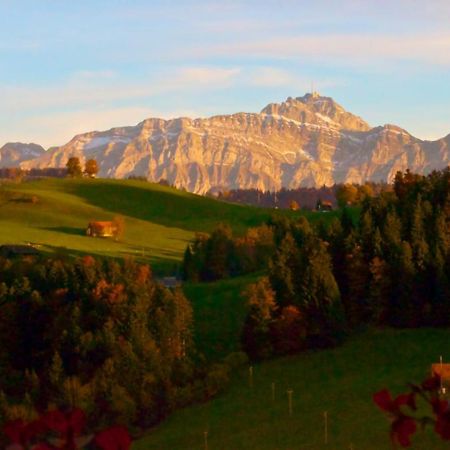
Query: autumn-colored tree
[118,227]
[293,205]
[74,167]
[347,194]
[91,168]
[289,331]
[256,338]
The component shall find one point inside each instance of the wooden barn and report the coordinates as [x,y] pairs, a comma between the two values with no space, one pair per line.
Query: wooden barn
[101,229]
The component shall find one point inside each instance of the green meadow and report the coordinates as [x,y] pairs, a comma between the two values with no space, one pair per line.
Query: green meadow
[159,220]
[340,381]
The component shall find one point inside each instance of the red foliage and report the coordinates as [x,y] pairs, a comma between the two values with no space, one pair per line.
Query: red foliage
[68,425]
[403,423]
[114,438]
[402,429]
[384,400]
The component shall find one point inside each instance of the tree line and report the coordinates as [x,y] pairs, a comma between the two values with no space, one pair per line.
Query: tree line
[305,197]
[73,169]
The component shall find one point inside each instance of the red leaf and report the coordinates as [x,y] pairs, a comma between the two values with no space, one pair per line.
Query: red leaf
[56,421]
[384,400]
[43,446]
[76,420]
[442,426]
[15,430]
[402,429]
[405,399]
[432,384]
[114,438]
[440,406]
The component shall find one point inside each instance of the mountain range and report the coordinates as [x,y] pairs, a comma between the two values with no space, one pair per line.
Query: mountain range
[306,141]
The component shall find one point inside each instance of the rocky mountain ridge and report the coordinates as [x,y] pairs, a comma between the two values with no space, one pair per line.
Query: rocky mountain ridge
[303,141]
[14,153]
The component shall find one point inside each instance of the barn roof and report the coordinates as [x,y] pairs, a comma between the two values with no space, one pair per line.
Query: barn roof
[441,369]
[101,224]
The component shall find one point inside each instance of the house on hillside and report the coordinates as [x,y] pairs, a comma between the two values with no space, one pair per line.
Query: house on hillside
[101,229]
[324,205]
[15,251]
[443,371]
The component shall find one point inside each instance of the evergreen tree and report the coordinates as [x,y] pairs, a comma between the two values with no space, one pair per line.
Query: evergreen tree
[280,272]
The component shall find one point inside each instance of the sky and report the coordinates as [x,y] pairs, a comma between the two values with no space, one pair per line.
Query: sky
[68,67]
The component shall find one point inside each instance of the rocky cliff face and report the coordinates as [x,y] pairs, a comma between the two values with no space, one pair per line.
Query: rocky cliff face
[304,141]
[14,153]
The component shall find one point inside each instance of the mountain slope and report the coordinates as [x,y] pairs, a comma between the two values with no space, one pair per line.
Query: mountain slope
[14,153]
[306,141]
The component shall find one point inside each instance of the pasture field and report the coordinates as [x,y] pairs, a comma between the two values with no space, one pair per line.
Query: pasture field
[159,220]
[340,381]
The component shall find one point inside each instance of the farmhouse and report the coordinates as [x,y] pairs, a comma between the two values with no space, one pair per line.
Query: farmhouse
[324,206]
[11,251]
[443,370]
[101,229]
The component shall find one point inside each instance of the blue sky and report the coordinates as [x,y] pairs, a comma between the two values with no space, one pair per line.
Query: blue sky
[73,66]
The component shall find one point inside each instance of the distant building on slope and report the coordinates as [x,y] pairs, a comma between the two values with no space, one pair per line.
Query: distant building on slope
[101,229]
[324,205]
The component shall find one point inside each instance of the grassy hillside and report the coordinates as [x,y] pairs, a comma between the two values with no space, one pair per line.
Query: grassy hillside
[339,381]
[219,314]
[159,220]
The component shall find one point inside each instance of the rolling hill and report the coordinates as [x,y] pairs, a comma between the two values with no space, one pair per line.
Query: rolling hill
[159,220]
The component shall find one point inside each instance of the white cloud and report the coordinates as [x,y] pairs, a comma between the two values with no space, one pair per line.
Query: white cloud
[345,49]
[266,76]
[89,88]
[216,76]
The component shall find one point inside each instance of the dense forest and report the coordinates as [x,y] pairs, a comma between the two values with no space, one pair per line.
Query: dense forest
[391,268]
[98,335]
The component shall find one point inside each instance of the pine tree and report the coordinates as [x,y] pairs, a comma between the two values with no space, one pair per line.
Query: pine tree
[357,278]
[319,296]
[281,272]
